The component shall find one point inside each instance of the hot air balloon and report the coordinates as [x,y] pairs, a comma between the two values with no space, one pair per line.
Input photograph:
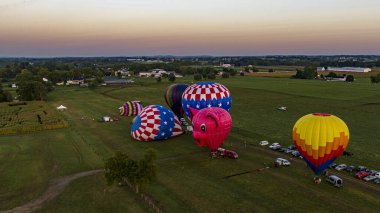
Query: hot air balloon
[131,108]
[211,127]
[173,97]
[320,138]
[206,94]
[155,122]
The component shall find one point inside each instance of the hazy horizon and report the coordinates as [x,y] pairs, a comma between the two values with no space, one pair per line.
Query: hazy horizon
[96,28]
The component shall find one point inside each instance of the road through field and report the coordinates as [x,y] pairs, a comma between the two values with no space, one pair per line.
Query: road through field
[56,187]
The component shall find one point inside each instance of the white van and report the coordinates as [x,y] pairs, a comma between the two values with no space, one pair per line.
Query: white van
[335,180]
[282,162]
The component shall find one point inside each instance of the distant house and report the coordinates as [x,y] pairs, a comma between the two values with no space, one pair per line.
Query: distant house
[74,82]
[226,65]
[178,75]
[14,86]
[222,65]
[45,80]
[158,73]
[344,69]
[145,74]
[111,80]
[60,83]
[123,72]
[153,73]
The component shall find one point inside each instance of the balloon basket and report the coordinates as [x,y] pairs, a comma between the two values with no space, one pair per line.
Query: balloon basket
[317,180]
[214,154]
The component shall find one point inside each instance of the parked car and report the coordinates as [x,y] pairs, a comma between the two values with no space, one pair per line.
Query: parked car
[282,162]
[341,167]
[361,174]
[350,168]
[335,180]
[377,174]
[291,147]
[296,153]
[275,146]
[377,180]
[333,165]
[372,172]
[361,168]
[287,151]
[263,143]
[282,149]
[370,178]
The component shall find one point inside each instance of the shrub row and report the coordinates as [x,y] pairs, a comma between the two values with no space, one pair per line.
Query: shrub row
[29,129]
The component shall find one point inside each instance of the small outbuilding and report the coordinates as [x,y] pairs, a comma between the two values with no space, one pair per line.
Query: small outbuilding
[61,108]
[107,119]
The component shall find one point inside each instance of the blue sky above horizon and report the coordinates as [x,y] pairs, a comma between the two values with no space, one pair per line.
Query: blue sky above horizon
[44,28]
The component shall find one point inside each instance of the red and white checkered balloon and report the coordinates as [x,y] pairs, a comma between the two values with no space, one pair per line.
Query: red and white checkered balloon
[155,122]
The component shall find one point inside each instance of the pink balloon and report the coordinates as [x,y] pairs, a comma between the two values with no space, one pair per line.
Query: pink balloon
[211,126]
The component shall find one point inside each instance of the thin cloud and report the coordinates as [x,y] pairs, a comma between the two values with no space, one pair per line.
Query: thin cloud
[14,4]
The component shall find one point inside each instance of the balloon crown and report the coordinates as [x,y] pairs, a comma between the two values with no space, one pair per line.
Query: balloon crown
[321,114]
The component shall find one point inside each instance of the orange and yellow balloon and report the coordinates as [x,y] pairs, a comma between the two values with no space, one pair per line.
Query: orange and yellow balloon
[320,138]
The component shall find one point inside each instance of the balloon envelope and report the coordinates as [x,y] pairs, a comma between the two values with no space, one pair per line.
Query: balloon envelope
[211,127]
[155,122]
[320,138]
[173,97]
[131,108]
[206,94]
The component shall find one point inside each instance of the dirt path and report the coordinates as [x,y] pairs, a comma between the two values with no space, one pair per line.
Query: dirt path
[55,188]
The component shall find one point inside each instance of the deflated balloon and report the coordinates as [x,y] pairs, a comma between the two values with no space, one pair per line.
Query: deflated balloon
[320,138]
[206,94]
[155,122]
[131,108]
[211,127]
[173,97]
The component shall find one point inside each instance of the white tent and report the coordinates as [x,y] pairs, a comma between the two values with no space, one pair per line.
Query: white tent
[61,108]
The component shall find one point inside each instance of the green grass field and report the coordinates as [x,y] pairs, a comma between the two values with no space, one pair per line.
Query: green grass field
[188,180]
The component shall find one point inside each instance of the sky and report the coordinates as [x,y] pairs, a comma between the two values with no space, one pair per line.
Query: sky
[54,28]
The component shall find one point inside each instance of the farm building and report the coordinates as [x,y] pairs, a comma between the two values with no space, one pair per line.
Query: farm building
[74,82]
[158,73]
[344,69]
[123,72]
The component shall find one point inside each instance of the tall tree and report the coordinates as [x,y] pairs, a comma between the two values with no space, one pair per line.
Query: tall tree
[138,173]
[5,96]
[116,168]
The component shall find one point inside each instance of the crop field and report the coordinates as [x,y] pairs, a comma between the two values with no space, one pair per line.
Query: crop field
[279,68]
[23,117]
[277,74]
[188,180]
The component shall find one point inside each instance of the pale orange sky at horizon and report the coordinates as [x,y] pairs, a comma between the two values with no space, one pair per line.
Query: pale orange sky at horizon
[180,27]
